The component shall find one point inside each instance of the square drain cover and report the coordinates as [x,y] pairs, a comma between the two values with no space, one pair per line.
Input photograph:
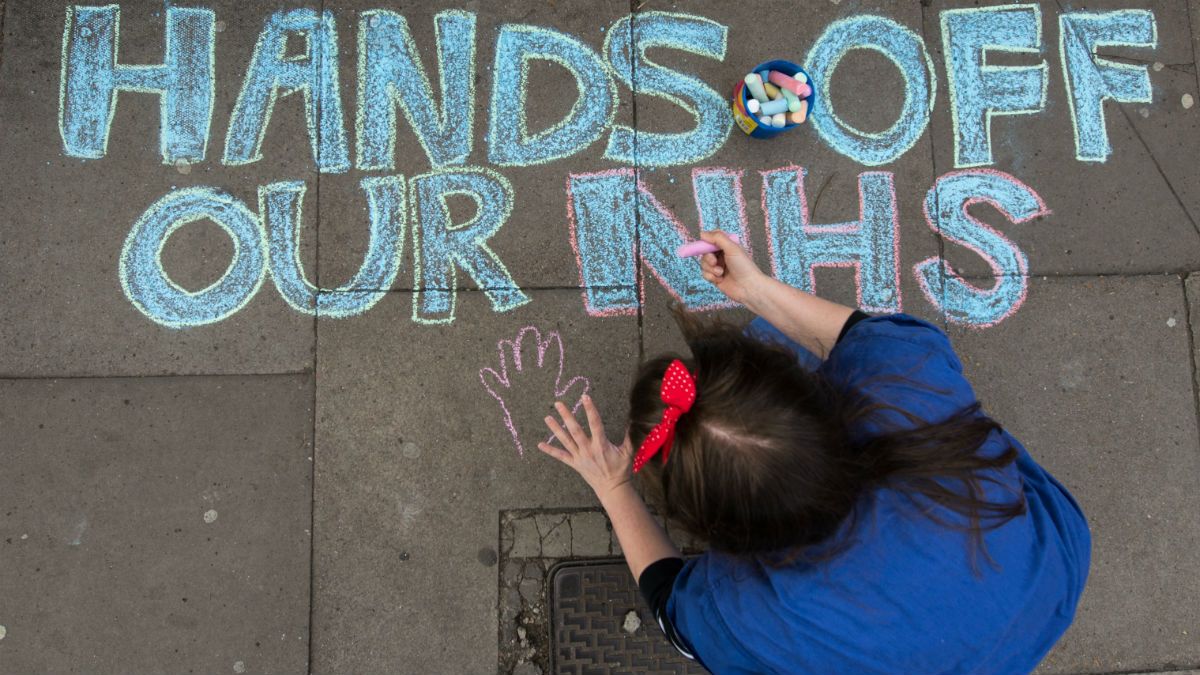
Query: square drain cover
[589,605]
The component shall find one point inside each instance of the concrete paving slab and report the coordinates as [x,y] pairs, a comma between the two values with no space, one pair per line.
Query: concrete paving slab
[1088,376]
[591,534]
[1134,213]
[1169,126]
[64,220]
[406,540]
[534,244]
[868,93]
[155,524]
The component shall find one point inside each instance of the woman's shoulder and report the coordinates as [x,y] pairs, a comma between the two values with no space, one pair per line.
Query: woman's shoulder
[902,361]
[891,332]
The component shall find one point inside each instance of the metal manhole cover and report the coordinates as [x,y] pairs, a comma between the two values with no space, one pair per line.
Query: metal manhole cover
[589,602]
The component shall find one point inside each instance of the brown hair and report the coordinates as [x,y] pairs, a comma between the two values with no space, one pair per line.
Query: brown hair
[766,461]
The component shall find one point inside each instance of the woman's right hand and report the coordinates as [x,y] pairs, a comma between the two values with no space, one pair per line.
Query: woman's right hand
[731,270]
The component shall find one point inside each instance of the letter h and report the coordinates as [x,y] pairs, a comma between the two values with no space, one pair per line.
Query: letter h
[91,79]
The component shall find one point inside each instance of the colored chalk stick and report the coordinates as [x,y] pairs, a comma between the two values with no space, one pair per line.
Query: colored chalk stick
[786,82]
[792,99]
[800,115]
[700,247]
[805,91]
[799,77]
[772,90]
[773,106]
[752,105]
[696,248]
[764,74]
[755,85]
[779,120]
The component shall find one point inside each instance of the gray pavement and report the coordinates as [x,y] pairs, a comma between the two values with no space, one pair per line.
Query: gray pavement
[289,490]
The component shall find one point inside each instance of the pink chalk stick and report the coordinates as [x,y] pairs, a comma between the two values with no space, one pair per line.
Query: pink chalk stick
[698,248]
[787,82]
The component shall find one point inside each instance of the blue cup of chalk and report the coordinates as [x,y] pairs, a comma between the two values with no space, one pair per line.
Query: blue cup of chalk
[766,116]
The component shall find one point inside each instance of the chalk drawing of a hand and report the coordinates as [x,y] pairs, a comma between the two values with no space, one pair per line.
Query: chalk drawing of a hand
[531,372]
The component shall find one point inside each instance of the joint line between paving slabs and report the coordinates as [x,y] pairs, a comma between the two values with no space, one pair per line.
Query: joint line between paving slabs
[316,333]
[1187,10]
[152,376]
[634,5]
[1187,319]
[3,9]
[1173,669]
[501,556]
[1079,275]
[941,241]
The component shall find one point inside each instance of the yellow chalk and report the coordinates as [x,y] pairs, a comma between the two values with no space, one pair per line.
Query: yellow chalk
[772,90]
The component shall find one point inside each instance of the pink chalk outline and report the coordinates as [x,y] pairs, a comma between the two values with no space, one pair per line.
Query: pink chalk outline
[573,223]
[1022,270]
[684,235]
[500,380]
[741,235]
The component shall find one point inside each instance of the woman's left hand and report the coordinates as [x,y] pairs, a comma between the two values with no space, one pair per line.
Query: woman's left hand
[602,464]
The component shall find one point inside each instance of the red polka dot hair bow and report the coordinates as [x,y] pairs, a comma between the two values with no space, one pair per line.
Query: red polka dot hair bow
[679,393]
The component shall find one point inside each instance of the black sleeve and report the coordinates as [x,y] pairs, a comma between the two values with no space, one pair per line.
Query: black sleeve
[854,318]
[656,583]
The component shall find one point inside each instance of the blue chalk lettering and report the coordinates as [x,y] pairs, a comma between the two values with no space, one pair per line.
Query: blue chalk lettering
[871,245]
[719,199]
[946,207]
[154,294]
[442,246]
[509,140]
[1092,80]
[390,76]
[281,207]
[272,73]
[978,91]
[708,109]
[603,222]
[902,47]
[603,218]
[91,79]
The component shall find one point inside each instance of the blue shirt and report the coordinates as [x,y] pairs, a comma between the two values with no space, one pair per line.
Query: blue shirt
[904,597]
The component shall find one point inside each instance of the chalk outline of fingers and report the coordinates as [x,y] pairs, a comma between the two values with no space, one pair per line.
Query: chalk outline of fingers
[506,347]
